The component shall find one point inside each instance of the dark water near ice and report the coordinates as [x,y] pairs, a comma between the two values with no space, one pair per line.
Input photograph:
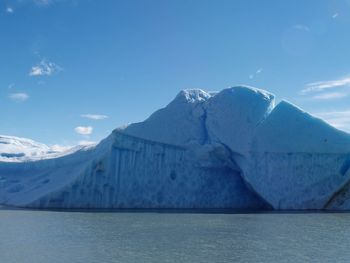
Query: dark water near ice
[44,236]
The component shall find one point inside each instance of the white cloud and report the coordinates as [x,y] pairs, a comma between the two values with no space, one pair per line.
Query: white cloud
[339,119]
[44,68]
[258,71]
[213,92]
[334,16]
[9,10]
[83,130]
[60,148]
[19,97]
[301,27]
[94,116]
[86,143]
[330,95]
[42,2]
[323,85]
[45,3]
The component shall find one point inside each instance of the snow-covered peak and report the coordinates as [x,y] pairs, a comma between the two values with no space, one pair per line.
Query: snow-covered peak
[233,114]
[191,96]
[244,92]
[180,122]
[195,116]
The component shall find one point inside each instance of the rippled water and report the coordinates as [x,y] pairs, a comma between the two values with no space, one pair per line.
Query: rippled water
[45,236]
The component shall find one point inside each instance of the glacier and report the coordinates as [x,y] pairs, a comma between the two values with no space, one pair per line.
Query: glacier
[232,149]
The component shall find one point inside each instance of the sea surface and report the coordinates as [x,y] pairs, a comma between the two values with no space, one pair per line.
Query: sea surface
[103,237]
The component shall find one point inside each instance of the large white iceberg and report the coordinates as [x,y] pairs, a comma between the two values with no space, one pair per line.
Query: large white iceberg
[232,149]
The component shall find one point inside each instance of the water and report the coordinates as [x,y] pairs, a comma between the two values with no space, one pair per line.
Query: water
[44,236]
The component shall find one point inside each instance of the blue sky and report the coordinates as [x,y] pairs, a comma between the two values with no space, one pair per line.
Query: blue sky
[73,70]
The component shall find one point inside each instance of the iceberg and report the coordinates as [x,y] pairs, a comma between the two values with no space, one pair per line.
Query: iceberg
[232,149]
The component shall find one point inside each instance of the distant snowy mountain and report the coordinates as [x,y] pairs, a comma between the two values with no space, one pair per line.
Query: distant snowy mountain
[231,149]
[14,148]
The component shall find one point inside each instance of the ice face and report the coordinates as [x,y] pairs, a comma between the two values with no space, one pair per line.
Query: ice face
[296,160]
[129,172]
[296,180]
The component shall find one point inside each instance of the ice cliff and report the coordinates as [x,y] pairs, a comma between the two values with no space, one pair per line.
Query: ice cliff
[232,149]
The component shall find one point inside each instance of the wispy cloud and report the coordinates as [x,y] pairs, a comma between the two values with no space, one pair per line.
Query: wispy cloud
[44,68]
[323,85]
[338,119]
[83,130]
[60,148]
[330,96]
[334,16]
[301,27]
[258,71]
[94,116]
[19,97]
[17,4]
[42,2]
[9,10]
[84,143]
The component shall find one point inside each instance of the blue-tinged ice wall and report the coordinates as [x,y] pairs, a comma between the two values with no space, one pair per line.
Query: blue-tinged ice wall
[297,180]
[137,173]
[297,161]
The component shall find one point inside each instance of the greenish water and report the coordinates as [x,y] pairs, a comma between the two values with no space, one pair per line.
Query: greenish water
[47,236]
